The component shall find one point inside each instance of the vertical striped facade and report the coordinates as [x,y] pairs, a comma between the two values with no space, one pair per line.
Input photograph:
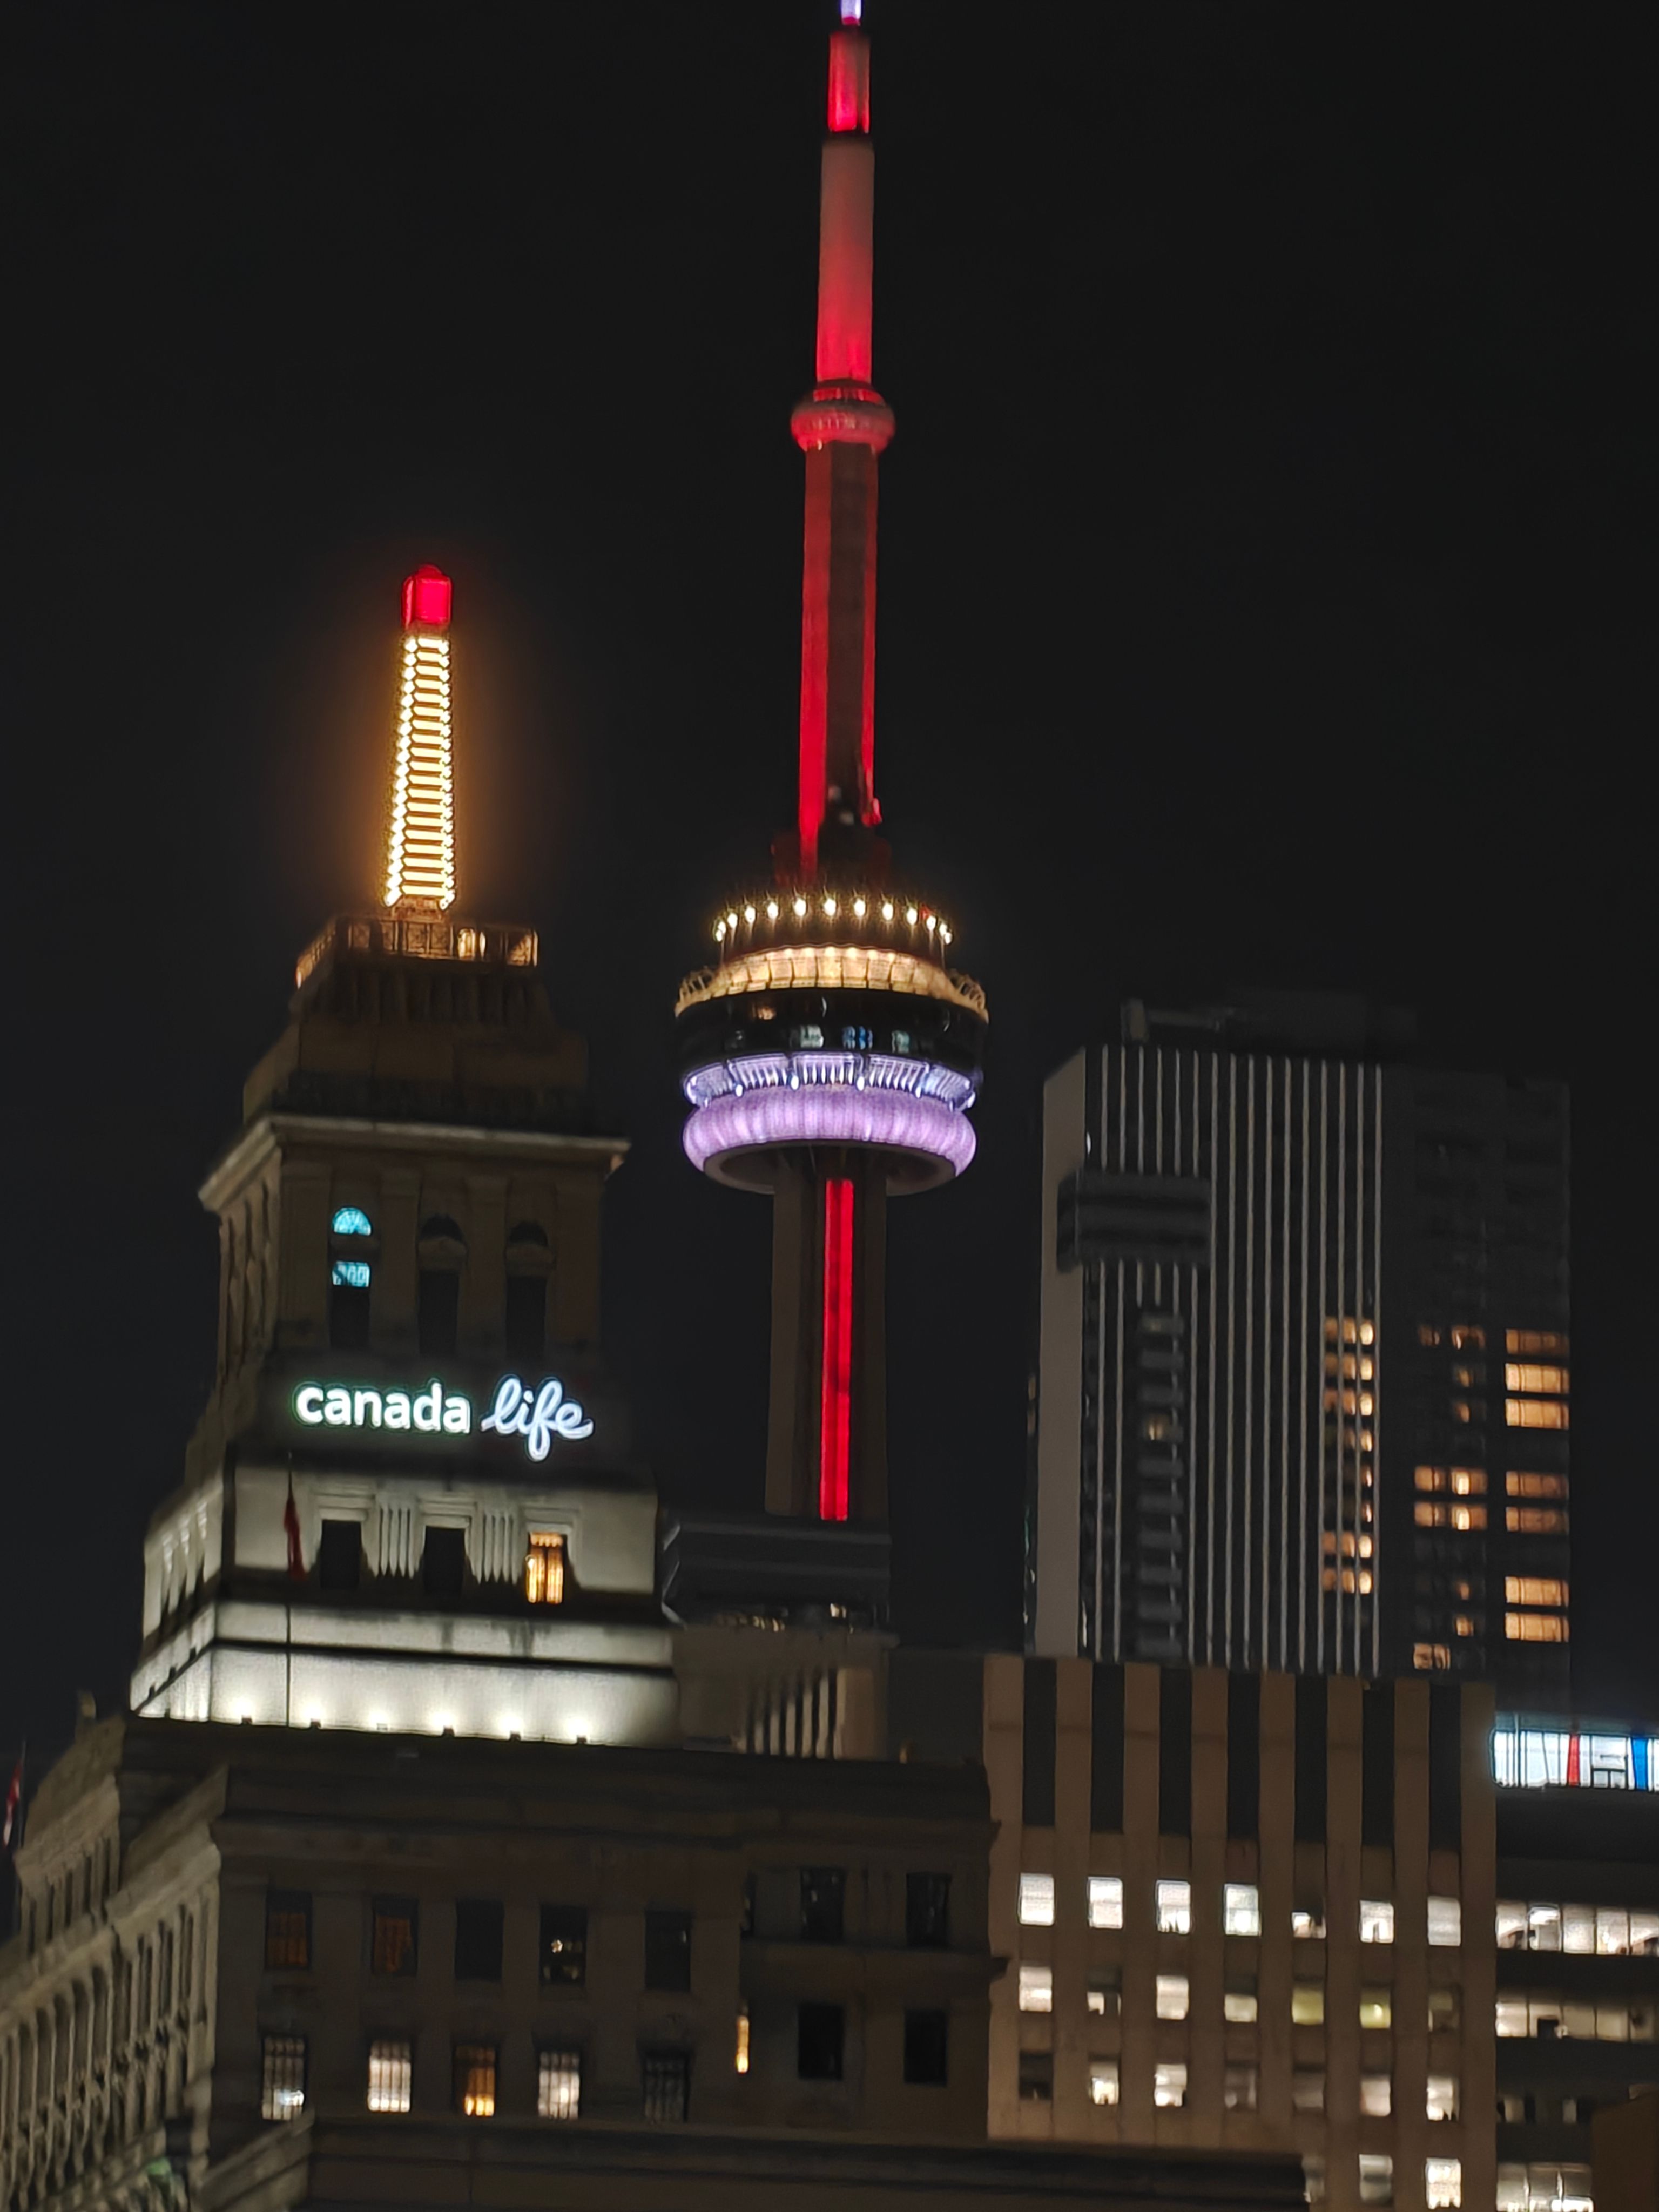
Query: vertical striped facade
[1211,1385]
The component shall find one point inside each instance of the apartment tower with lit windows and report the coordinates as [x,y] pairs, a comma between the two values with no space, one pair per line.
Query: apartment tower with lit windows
[830,1055]
[1304,1372]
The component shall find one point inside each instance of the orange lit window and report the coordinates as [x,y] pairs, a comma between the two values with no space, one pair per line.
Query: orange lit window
[1463,1624]
[1534,1520]
[1535,1627]
[1349,1544]
[1462,1587]
[1460,1409]
[1535,1414]
[1427,1334]
[1470,1375]
[1467,1338]
[1468,1481]
[1525,1375]
[1433,1477]
[1536,1485]
[1462,1517]
[1430,1658]
[475,2080]
[1535,1340]
[1535,1589]
[544,1570]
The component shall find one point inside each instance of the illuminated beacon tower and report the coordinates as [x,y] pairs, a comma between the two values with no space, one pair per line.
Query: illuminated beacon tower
[830,1055]
[413,1502]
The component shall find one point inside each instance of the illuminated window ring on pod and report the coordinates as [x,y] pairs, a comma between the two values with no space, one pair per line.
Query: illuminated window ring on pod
[733,1138]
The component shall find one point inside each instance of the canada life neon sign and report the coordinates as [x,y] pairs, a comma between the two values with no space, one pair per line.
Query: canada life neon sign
[538,1414]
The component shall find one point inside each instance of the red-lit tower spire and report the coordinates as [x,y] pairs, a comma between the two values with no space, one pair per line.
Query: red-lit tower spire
[831,1056]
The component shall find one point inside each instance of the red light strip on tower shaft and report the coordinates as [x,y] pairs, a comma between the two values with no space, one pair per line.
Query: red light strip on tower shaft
[836,1411]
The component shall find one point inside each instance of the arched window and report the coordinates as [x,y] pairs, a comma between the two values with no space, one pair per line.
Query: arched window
[529,1264]
[442,1248]
[349,1278]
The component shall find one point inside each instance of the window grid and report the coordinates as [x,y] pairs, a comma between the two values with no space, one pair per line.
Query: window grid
[475,2080]
[282,2077]
[559,2082]
[391,2072]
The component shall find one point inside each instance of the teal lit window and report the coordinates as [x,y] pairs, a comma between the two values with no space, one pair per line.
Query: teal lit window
[352,1221]
[350,1274]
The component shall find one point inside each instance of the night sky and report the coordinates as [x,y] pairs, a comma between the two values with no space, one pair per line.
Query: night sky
[1266,595]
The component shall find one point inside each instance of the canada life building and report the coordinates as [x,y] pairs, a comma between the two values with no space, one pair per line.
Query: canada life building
[1303,1370]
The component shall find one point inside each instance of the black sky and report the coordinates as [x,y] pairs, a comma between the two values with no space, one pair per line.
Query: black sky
[1266,594]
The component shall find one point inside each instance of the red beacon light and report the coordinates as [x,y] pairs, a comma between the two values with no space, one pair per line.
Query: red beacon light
[426,599]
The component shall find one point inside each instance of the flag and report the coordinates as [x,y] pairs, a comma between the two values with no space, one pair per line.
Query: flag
[296,1563]
[14,1801]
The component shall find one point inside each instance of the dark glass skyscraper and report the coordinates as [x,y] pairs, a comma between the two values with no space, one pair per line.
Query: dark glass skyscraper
[1305,1383]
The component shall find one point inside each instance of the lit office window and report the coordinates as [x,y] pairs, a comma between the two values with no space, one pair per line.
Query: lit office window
[1175,1908]
[1535,1589]
[1445,1923]
[1172,1997]
[1375,2178]
[559,2084]
[1377,2007]
[1442,2097]
[1531,1342]
[1105,1900]
[1238,2088]
[394,1939]
[1445,2009]
[1036,1988]
[1511,2017]
[1377,2095]
[544,1569]
[1102,2081]
[1453,1481]
[1536,1413]
[287,1928]
[1242,1910]
[1544,2186]
[475,2080]
[1548,1381]
[1105,1992]
[1429,1514]
[1443,2184]
[1307,1925]
[1238,2000]
[1524,1485]
[1536,1521]
[390,2071]
[282,2077]
[1170,2087]
[1376,1920]
[1535,1627]
[1430,1658]
[1306,2003]
[1468,1336]
[740,2060]
[1036,1900]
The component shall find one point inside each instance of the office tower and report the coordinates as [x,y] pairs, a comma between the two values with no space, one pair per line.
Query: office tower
[1304,1376]
[830,1055]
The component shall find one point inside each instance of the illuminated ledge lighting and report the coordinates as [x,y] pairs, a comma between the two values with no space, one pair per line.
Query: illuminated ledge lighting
[824,913]
[795,1071]
[1533,1755]
[831,967]
[763,1121]
[418,934]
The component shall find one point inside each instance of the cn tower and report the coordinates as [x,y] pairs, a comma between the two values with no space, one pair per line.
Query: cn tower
[830,1055]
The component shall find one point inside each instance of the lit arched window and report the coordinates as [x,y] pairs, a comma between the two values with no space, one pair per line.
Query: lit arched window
[349,1278]
[441,1249]
[529,1264]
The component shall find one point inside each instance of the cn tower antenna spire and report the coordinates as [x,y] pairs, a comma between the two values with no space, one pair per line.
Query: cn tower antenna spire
[842,426]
